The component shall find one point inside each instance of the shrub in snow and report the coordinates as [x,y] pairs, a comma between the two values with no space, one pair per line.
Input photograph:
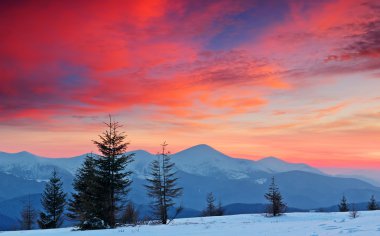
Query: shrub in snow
[354,213]
[93,223]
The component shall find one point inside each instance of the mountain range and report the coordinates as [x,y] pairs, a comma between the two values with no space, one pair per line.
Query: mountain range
[201,169]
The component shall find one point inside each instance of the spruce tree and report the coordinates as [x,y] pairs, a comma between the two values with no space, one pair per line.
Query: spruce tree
[162,185]
[276,205]
[343,205]
[211,209]
[112,179]
[28,216]
[82,206]
[372,204]
[53,202]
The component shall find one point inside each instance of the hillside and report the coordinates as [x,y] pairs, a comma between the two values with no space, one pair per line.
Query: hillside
[291,224]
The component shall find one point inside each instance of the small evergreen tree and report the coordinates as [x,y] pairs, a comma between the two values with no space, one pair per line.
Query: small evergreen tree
[162,185]
[112,179]
[131,215]
[219,209]
[372,204]
[276,205]
[343,205]
[211,209]
[82,206]
[53,201]
[210,205]
[28,216]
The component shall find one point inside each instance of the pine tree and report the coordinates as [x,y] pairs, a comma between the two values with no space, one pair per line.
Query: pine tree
[53,201]
[211,209]
[28,216]
[210,205]
[276,205]
[372,204]
[162,186]
[82,206]
[343,205]
[112,180]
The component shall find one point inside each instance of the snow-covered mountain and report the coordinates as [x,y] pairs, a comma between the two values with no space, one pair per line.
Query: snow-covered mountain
[201,169]
[205,160]
[200,160]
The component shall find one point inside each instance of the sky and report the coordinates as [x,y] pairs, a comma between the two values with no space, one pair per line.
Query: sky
[299,80]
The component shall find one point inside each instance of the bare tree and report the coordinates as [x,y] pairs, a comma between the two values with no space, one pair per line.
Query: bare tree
[28,216]
[131,214]
[353,212]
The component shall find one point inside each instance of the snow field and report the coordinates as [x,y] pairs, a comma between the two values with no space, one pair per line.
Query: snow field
[290,224]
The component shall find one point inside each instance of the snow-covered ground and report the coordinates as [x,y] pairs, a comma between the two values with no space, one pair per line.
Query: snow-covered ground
[291,224]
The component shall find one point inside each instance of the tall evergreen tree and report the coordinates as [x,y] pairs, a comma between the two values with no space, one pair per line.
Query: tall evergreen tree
[162,185]
[276,205]
[53,201]
[28,216]
[112,179]
[372,204]
[343,205]
[82,206]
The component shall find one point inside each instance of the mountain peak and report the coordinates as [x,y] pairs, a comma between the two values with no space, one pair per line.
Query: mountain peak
[271,159]
[201,150]
[203,146]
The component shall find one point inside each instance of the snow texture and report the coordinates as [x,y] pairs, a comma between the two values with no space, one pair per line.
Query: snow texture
[291,224]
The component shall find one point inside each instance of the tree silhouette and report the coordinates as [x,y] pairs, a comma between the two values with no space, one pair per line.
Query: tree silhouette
[53,201]
[372,204]
[111,174]
[162,185]
[28,216]
[343,205]
[276,206]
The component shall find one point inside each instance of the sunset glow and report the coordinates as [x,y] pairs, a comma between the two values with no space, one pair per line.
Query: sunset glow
[299,80]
